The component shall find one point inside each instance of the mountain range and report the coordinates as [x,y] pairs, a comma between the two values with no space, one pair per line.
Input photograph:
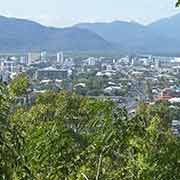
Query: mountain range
[25,35]
[161,36]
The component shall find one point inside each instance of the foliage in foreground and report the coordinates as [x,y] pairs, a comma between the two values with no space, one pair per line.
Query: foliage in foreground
[64,136]
[178,3]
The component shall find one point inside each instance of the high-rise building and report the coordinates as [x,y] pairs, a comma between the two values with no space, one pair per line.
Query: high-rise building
[157,63]
[91,61]
[43,56]
[23,60]
[60,58]
[32,57]
[8,66]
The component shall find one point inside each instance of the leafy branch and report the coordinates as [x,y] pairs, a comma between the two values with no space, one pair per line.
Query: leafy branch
[178,3]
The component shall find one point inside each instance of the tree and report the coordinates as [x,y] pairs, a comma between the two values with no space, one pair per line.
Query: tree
[178,3]
[66,136]
[11,160]
[72,137]
[18,87]
[151,152]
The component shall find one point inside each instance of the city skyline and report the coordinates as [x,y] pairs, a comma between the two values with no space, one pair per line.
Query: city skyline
[67,13]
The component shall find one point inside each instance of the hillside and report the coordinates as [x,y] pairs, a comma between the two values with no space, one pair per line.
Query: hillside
[160,36]
[24,35]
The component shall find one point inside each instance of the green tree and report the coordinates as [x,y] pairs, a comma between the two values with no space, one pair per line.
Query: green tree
[152,152]
[18,86]
[11,160]
[178,3]
[65,136]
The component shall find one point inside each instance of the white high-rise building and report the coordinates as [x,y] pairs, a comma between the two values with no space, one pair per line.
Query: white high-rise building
[8,66]
[157,63]
[60,58]
[33,57]
[23,60]
[43,56]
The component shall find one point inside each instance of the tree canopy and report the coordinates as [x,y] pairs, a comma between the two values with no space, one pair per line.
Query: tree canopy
[68,137]
[19,85]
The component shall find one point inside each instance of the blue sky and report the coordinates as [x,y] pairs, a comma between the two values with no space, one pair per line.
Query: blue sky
[63,13]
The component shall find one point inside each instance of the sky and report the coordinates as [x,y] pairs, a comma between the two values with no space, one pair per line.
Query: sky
[63,13]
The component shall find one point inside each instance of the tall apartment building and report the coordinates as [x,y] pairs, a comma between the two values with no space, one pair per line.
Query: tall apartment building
[33,57]
[60,58]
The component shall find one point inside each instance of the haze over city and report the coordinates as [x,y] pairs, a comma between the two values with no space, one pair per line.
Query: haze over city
[62,13]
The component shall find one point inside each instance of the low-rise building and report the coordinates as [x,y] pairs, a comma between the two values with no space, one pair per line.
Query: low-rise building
[51,73]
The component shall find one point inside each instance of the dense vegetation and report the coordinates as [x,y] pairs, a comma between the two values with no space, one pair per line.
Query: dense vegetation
[64,136]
